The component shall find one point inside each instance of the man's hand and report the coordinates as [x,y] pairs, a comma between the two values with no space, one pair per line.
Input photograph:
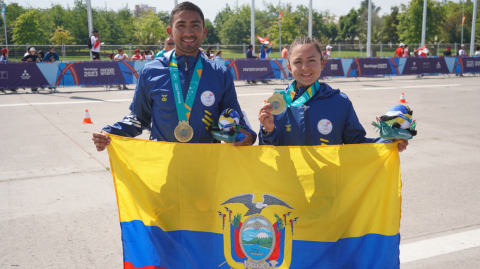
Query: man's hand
[402,145]
[101,140]
[266,118]
[247,141]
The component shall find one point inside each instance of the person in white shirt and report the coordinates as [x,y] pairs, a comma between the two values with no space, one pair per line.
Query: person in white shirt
[218,56]
[121,56]
[477,53]
[95,50]
[462,52]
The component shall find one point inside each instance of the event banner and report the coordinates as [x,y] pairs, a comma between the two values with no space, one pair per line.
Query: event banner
[220,206]
[99,73]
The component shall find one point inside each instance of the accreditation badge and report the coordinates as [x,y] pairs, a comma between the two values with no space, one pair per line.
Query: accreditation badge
[183,132]
[277,102]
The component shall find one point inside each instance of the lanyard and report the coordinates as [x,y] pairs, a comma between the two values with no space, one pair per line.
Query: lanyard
[307,95]
[184,108]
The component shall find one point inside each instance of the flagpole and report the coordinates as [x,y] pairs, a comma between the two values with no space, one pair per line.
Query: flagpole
[463,18]
[369,29]
[424,22]
[4,24]
[252,26]
[310,19]
[90,24]
[472,38]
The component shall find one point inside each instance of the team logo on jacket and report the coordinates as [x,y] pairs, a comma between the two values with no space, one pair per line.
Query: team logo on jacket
[259,237]
[325,126]
[207,98]
[164,97]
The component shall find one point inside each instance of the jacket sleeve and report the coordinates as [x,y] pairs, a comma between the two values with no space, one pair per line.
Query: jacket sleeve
[268,139]
[353,132]
[229,100]
[46,57]
[140,117]
[56,56]
[270,49]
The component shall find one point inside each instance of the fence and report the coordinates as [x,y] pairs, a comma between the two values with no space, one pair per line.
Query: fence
[357,50]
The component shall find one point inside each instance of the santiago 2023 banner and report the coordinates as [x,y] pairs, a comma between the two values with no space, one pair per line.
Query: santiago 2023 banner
[220,206]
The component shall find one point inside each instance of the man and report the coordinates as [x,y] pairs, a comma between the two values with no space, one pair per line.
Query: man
[285,51]
[95,50]
[462,51]
[249,54]
[448,51]
[399,51]
[327,52]
[121,57]
[168,45]
[164,83]
[137,55]
[264,51]
[51,55]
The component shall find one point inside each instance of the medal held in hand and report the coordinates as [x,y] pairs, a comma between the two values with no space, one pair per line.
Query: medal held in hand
[184,132]
[277,102]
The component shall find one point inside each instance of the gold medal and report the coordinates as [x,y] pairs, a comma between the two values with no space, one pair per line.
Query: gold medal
[183,132]
[277,102]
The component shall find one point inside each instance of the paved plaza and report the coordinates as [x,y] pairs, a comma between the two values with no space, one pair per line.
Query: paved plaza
[57,199]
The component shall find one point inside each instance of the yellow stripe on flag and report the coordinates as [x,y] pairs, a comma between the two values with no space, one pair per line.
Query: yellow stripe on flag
[335,191]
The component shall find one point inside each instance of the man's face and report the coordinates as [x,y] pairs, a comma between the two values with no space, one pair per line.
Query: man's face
[52,50]
[120,52]
[95,34]
[169,44]
[187,31]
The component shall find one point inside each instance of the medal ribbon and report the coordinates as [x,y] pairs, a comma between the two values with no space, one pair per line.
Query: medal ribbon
[184,108]
[307,95]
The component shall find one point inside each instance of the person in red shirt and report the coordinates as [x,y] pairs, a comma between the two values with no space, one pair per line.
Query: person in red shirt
[399,51]
[137,56]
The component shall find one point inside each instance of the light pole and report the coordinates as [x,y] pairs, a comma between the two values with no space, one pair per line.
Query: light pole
[474,19]
[463,17]
[369,29]
[279,28]
[90,24]
[424,24]
[175,2]
[252,27]
[310,19]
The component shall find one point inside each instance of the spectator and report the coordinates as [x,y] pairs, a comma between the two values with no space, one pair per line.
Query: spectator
[285,51]
[148,55]
[95,50]
[423,52]
[264,51]
[399,51]
[121,56]
[4,57]
[51,55]
[448,51]
[137,55]
[405,51]
[250,53]
[27,53]
[218,56]
[326,54]
[31,57]
[462,51]
[210,54]
[41,55]
[477,53]
[168,45]
[111,56]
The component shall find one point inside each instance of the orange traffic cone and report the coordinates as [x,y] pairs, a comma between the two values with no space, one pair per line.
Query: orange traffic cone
[402,99]
[87,119]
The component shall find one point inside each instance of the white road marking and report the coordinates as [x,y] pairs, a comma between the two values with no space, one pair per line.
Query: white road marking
[439,246]
[67,103]
[410,87]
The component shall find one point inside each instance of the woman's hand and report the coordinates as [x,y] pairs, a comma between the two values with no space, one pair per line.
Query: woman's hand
[266,118]
[402,145]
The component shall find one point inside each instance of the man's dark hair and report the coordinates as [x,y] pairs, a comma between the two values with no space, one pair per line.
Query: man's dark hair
[94,31]
[210,48]
[250,46]
[51,47]
[119,49]
[186,6]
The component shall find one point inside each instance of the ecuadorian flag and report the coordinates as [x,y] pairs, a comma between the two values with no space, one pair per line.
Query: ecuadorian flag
[219,206]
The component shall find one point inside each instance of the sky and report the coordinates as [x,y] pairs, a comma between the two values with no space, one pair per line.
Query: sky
[210,8]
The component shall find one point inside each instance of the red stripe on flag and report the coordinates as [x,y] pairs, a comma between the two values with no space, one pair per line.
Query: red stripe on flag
[129,265]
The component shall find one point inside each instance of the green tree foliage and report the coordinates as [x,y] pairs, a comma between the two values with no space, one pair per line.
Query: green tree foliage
[348,26]
[27,29]
[411,16]
[390,31]
[212,35]
[61,36]
[149,29]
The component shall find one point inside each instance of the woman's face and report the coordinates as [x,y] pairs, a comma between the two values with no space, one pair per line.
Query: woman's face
[305,64]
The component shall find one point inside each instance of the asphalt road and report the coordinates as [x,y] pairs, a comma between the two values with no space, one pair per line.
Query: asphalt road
[57,200]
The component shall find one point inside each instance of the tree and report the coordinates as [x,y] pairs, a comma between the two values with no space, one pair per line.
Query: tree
[61,36]
[390,31]
[410,20]
[212,36]
[149,29]
[27,29]
[348,25]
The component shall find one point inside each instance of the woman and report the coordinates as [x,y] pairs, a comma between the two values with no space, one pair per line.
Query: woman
[51,55]
[4,57]
[41,55]
[318,114]
[405,51]
[218,56]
